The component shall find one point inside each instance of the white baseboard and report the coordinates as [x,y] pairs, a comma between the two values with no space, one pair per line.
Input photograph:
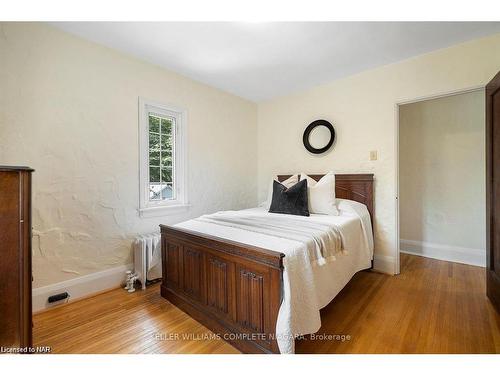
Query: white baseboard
[384,263]
[80,287]
[475,257]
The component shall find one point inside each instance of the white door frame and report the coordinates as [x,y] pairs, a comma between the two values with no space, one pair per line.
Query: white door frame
[396,150]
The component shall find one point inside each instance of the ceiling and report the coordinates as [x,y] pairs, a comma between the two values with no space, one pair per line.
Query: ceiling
[260,61]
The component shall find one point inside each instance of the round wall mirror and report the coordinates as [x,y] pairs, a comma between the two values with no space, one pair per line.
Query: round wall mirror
[319,136]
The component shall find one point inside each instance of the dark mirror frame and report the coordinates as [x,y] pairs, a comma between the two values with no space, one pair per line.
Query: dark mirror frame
[307,133]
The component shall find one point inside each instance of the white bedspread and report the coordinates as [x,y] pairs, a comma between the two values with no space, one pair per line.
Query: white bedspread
[322,241]
[307,285]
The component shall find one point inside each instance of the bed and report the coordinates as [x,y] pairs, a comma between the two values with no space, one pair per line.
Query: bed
[254,290]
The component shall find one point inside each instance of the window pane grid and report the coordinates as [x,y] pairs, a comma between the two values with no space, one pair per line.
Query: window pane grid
[161,160]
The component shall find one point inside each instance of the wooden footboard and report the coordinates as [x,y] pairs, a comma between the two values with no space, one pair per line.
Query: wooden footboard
[233,289]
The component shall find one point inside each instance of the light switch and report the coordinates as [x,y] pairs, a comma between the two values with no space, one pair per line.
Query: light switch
[373,155]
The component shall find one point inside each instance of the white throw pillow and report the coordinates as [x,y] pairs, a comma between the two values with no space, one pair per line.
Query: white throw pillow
[321,194]
[288,183]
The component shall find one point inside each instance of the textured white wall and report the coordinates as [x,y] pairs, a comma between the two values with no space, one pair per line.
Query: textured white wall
[442,171]
[69,109]
[363,110]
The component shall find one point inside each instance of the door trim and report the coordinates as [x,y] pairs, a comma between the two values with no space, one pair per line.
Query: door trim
[492,279]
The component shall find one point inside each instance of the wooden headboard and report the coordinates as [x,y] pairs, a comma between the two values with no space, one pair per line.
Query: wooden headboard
[356,187]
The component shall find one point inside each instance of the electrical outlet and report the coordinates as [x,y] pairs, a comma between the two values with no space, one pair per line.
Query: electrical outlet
[373,155]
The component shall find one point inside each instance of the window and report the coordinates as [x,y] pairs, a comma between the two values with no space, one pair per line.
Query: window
[162,149]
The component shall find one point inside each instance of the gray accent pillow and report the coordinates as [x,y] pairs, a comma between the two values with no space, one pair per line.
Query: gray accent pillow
[291,201]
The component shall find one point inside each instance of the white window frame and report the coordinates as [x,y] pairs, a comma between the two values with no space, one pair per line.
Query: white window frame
[147,207]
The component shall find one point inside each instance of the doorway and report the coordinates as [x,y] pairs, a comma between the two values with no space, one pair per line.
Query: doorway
[441,178]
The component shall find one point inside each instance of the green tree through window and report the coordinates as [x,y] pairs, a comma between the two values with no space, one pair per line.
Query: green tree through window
[161,157]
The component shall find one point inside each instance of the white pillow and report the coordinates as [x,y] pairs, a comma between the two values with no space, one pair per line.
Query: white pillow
[288,183]
[321,194]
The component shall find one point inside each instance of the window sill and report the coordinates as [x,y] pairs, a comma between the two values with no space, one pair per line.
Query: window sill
[163,210]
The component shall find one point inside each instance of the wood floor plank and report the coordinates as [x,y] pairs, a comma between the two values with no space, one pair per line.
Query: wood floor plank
[431,307]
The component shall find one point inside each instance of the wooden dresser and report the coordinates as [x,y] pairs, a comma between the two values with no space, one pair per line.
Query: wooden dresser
[15,257]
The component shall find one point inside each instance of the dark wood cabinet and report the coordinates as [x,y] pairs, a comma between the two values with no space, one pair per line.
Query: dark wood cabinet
[15,257]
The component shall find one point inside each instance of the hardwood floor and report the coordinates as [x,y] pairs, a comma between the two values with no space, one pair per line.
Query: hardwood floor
[431,307]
